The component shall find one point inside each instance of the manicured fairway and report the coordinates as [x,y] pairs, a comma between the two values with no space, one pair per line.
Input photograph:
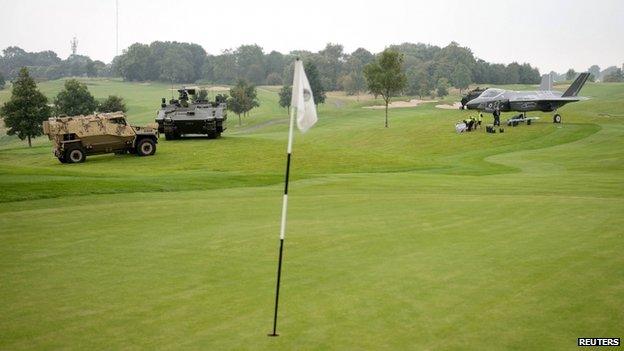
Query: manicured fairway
[410,237]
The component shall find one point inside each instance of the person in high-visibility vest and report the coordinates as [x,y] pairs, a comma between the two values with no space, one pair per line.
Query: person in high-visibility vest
[471,123]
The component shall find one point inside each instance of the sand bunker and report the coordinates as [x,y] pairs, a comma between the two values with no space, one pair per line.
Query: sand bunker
[455,106]
[400,104]
[217,88]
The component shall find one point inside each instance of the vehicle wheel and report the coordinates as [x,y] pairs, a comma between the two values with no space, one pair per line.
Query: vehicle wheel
[557,118]
[168,136]
[212,135]
[62,159]
[75,154]
[146,147]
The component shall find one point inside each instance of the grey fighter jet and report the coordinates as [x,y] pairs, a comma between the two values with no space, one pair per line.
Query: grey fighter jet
[545,99]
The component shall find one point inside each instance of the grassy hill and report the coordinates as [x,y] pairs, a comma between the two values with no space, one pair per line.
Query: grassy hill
[411,237]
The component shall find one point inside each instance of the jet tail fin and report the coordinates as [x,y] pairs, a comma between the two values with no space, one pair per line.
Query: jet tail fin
[547,83]
[576,86]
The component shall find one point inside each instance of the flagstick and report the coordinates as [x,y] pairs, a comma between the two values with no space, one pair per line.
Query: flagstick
[283,224]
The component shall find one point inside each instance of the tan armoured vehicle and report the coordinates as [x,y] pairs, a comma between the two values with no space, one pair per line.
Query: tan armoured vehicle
[76,137]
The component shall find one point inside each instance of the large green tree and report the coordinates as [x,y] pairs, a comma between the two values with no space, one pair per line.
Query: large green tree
[134,64]
[113,103]
[25,112]
[318,90]
[243,98]
[250,63]
[2,81]
[418,82]
[75,99]
[461,77]
[329,62]
[385,76]
[353,82]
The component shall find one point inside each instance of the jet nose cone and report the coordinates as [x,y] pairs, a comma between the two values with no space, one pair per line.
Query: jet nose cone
[473,105]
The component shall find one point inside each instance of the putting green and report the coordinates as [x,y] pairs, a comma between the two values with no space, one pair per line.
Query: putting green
[411,237]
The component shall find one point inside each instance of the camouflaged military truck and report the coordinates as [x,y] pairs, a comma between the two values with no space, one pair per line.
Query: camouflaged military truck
[183,117]
[76,137]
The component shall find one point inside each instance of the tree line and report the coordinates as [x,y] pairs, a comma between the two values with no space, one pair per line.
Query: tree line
[46,65]
[427,67]
[178,62]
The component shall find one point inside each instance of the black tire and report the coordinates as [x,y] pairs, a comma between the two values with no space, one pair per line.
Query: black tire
[212,135]
[169,136]
[145,147]
[528,122]
[557,118]
[62,159]
[75,154]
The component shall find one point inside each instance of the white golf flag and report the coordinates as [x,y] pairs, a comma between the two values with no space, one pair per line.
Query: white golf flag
[302,100]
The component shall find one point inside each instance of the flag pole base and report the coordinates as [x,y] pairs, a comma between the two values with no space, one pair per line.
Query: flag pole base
[272,334]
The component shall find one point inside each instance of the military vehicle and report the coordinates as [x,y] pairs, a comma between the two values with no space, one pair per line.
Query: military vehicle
[198,116]
[545,99]
[472,94]
[76,137]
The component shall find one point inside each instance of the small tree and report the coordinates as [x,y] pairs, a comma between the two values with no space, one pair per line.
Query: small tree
[113,103]
[285,97]
[243,98]
[385,76]
[2,81]
[442,88]
[75,99]
[570,74]
[27,109]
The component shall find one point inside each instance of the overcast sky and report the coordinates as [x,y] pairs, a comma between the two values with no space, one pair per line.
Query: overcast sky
[552,35]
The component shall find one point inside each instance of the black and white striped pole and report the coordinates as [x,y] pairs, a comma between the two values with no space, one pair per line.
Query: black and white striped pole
[283,222]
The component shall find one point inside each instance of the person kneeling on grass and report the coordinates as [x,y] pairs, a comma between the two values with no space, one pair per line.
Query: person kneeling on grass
[470,123]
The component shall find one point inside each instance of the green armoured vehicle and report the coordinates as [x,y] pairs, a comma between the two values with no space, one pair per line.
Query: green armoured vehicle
[183,117]
[76,137]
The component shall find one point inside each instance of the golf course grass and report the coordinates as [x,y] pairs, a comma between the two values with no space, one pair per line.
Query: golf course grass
[410,237]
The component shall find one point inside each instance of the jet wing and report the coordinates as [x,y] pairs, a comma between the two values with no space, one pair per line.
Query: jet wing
[546,98]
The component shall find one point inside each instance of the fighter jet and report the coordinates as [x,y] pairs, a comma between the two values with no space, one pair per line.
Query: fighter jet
[545,99]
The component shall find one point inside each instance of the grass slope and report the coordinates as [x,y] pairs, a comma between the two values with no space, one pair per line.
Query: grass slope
[410,237]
